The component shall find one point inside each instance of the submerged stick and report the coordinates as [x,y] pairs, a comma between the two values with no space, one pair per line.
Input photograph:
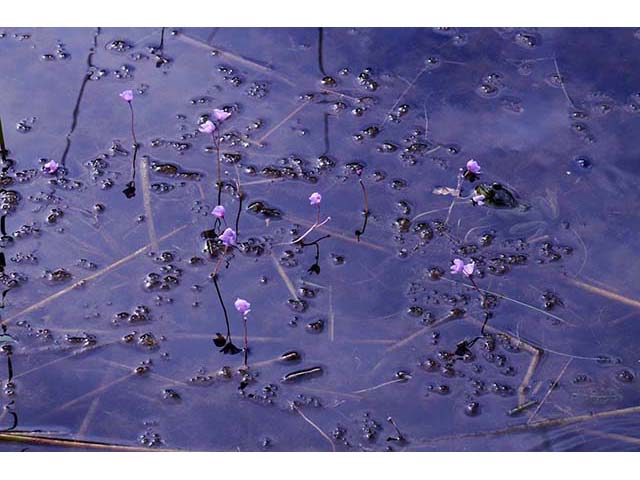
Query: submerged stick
[606,293]
[542,424]
[39,439]
[285,277]
[146,196]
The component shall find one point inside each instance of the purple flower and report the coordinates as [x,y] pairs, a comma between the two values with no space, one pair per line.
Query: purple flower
[127,95]
[51,166]
[228,237]
[315,198]
[207,127]
[218,212]
[242,306]
[478,200]
[460,267]
[473,167]
[468,269]
[220,115]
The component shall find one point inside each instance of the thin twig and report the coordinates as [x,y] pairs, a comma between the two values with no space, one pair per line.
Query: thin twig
[551,388]
[39,439]
[518,302]
[310,422]
[282,122]
[234,57]
[561,80]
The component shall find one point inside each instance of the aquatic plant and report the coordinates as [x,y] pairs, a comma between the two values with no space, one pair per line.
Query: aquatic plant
[243,307]
[213,129]
[130,190]
[51,167]
[228,237]
[218,212]
[460,267]
[361,231]
[314,200]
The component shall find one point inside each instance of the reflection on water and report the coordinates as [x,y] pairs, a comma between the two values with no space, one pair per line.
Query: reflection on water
[119,325]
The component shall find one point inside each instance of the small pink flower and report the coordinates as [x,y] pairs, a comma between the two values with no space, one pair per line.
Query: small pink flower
[127,95]
[218,212]
[468,269]
[228,237]
[478,200]
[207,127]
[457,267]
[473,167]
[220,115]
[315,198]
[51,166]
[242,306]
[460,267]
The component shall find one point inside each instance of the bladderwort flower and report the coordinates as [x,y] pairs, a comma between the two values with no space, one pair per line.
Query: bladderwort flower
[130,190]
[315,198]
[213,128]
[473,167]
[51,167]
[218,212]
[228,237]
[207,127]
[478,200]
[220,115]
[244,307]
[460,267]
[127,95]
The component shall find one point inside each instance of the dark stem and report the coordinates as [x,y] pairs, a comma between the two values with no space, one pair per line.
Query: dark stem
[3,147]
[360,232]
[224,309]
[320,61]
[133,132]
[327,143]
[241,197]
[76,108]
[130,191]
[161,39]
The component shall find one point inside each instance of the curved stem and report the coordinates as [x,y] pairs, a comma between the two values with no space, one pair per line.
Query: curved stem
[224,309]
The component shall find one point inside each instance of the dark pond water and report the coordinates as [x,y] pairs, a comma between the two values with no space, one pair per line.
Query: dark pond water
[110,309]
